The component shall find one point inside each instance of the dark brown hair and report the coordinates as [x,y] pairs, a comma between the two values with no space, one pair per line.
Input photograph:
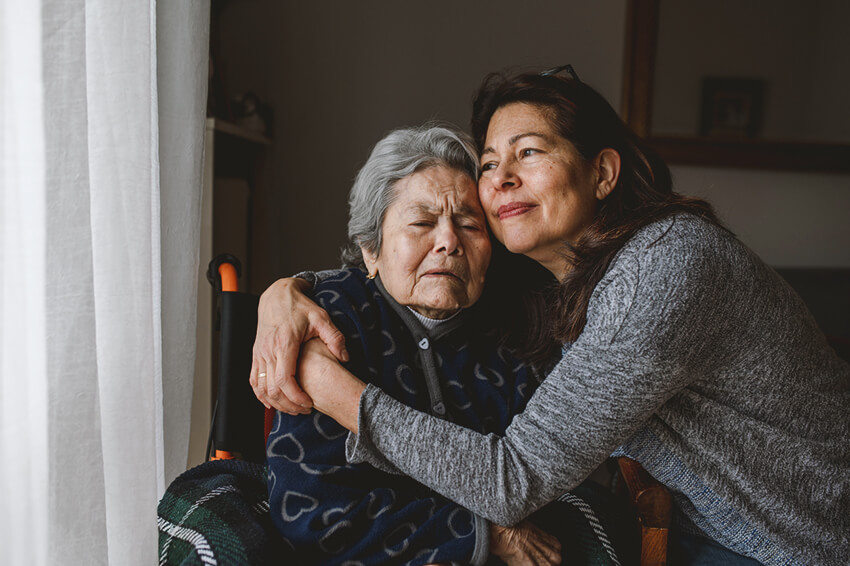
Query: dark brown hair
[642,195]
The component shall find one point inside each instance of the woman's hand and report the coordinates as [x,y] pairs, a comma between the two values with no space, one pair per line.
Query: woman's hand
[285,319]
[524,545]
[335,390]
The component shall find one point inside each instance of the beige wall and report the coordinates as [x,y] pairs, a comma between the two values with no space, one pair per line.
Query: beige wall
[789,219]
[340,74]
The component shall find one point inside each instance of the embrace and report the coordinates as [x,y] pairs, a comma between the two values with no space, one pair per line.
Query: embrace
[618,318]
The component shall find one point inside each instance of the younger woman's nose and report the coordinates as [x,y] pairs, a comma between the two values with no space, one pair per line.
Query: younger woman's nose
[503,177]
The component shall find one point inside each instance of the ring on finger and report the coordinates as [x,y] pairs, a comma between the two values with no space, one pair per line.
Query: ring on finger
[261,374]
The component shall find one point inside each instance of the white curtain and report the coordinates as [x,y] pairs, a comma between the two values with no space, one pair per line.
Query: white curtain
[103,105]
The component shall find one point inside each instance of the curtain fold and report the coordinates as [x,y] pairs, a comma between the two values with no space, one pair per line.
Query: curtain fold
[103,120]
[23,360]
[182,109]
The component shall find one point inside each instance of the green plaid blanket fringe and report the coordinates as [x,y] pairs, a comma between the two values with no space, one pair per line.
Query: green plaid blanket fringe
[218,514]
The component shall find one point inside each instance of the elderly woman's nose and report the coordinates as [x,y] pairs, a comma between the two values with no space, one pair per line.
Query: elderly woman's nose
[446,238]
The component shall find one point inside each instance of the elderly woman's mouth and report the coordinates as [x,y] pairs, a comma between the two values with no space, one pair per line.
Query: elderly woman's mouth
[442,273]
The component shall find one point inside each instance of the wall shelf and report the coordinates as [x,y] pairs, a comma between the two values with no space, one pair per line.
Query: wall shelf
[229,128]
[231,160]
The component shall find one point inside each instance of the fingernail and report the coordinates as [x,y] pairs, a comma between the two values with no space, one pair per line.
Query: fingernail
[345,354]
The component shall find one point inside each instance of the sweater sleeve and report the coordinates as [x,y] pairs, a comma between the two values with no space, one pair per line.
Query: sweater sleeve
[647,321]
[316,277]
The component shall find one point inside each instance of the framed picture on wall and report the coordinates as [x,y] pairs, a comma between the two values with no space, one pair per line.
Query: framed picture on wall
[732,107]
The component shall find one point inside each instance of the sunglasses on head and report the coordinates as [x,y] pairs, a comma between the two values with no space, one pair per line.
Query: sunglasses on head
[568,69]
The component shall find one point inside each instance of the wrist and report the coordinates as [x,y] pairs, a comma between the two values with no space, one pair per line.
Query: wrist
[345,407]
[499,546]
[335,390]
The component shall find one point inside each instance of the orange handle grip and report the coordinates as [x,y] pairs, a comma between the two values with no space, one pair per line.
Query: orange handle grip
[229,280]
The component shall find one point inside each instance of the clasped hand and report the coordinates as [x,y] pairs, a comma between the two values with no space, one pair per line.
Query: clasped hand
[287,319]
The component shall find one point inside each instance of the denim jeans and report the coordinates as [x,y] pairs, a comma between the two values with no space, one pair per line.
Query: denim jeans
[697,505]
[694,550]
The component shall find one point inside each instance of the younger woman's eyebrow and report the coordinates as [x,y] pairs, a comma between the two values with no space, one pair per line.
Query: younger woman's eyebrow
[518,137]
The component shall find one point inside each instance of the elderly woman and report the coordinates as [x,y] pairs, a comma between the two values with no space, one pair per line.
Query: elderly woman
[683,350]
[419,254]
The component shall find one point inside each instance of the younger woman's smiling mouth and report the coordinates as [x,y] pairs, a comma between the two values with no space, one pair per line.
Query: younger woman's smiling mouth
[514,209]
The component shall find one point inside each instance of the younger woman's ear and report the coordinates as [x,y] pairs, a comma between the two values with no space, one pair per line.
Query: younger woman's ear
[607,165]
[371,261]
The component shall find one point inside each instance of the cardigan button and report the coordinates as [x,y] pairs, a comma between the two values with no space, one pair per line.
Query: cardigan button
[424,344]
[440,409]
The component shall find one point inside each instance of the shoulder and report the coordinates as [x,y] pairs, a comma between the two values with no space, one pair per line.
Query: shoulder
[683,246]
[343,286]
[348,295]
[681,262]
[684,231]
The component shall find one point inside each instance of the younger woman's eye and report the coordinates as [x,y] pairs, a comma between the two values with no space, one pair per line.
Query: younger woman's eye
[488,166]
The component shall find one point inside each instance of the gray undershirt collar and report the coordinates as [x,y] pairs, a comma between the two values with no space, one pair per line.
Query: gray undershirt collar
[431,323]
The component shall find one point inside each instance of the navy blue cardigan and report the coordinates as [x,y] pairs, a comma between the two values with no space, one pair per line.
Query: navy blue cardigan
[332,512]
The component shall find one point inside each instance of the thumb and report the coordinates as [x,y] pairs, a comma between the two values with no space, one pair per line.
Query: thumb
[333,338]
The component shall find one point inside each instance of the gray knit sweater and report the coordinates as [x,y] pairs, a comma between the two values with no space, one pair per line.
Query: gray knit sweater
[690,340]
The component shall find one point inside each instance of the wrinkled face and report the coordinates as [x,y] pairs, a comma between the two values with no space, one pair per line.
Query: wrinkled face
[435,249]
[536,189]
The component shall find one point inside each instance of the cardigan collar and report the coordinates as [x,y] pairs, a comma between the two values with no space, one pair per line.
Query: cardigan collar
[414,325]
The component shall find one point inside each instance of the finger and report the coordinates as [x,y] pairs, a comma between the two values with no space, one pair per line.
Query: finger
[270,390]
[295,394]
[549,555]
[286,363]
[286,383]
[330,335]
[547,546]
[551,558]
[258,387]
[284,405]
[252,376]
[277,399]
[545,539]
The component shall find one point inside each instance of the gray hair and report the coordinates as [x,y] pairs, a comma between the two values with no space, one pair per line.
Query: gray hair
[401,153]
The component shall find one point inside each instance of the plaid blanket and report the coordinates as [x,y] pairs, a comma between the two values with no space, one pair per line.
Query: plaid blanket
[218,514]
